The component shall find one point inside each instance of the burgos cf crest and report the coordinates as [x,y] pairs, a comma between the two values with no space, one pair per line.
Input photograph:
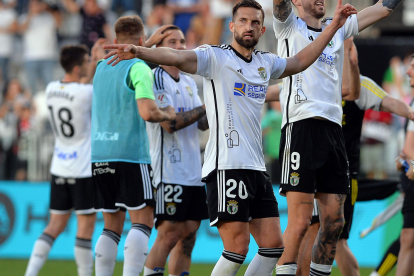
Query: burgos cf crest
[171,209]
[262,73]
[294,179]
[232,207]
[239,89]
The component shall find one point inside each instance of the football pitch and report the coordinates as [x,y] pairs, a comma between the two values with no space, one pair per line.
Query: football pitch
[10,267]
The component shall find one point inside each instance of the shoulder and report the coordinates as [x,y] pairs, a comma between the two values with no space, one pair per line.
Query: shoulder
[160,78]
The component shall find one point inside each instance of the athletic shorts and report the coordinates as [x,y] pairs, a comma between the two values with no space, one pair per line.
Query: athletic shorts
[67,194]
[348,210]
[240,195]
[177,202]
[408,205]
[122,185]
[313,158]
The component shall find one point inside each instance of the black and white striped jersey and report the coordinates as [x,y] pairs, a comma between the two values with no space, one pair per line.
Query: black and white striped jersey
[234,92]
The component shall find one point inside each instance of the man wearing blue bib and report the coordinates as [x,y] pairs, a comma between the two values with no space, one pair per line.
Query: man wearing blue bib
[122,101]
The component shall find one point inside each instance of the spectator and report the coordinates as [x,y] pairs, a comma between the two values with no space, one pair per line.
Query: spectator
[184,10]
[39,43]
[160,15]
[94,24]
[8,25]
[122,6]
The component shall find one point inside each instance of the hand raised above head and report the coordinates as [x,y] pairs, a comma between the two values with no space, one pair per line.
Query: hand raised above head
[342,13]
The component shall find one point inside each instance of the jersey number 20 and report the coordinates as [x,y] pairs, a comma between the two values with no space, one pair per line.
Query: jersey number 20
[65,116]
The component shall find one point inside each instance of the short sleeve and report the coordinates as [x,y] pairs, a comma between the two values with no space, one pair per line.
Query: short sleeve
[278,66]
[142,79]
[206,61]
[371,95]
[285,29]
[162,97]
[351,27]
[410,126]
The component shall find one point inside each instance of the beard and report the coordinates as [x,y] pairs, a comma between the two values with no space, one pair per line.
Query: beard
[312,11]
[246,44]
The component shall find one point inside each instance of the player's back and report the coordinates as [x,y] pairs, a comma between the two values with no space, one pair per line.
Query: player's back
[69,107]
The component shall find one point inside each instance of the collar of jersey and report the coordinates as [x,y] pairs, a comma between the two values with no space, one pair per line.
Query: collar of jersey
[313,29]
[241,56]
[176,80]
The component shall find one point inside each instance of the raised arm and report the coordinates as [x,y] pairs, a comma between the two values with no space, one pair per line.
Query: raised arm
[375,13]
[282,9]
[398,107]
[310,53]
[185,60]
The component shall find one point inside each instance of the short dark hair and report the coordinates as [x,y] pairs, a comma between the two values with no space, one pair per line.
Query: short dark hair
[72,55]
[248,4]
[128,26]
[173,27]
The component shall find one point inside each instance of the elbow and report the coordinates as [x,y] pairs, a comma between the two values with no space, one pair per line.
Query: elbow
[146,116]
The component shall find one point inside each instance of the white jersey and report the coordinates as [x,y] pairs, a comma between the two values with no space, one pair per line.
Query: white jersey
[70,116]
[371,95]
[317,90]
[175,157]
[234,93]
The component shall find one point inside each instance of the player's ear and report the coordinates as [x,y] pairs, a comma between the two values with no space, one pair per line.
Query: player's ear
[115,41]
[231,26]
[263,30]
[297,3]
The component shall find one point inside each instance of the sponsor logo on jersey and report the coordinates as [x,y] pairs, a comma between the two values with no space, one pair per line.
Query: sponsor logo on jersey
[252,91]
[189,90]
[232,207]
[262,73]
[330,60]
[103,170]
[101,164]
[183,109]
[65,155]
[171,209]
[107,136]
[294,179]
[232,139]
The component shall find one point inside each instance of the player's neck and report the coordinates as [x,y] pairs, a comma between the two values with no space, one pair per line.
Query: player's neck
[245,52]
[172,71]
[310,20]
[71,78]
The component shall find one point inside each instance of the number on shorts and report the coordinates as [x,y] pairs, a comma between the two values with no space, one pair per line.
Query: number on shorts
[242,189]
[295,160]
[178,190]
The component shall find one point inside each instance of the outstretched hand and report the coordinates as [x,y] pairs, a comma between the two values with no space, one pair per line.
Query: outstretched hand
[158,36]
[120,52]
[342,13]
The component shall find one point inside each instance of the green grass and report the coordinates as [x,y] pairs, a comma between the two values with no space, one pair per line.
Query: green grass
[9,267]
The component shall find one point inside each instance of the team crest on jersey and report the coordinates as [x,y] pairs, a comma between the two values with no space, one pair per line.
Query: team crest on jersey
[262,73]
[232,207]
[171,209]
[294,179]
[189,90]
[331,44]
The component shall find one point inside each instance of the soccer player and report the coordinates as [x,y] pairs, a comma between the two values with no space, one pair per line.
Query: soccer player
[405,264]
[317,167]
[122,101]
[236,76]
[69,102]
[176,161]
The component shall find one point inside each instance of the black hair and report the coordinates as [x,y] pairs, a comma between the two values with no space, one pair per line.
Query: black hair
[72,55]
[248,4]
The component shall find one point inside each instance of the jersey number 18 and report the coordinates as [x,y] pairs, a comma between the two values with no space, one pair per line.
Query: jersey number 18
[65,116]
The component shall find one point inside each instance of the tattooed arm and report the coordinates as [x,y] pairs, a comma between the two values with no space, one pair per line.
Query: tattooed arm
[203,123]
[375,13]
[282,9]
[184,119]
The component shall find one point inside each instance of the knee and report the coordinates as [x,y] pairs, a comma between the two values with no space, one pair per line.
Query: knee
[300,226]
[55,228]
[169,239]
[240,244]
[333,224]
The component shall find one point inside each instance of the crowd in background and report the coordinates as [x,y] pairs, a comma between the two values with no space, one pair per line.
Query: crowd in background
[33,31]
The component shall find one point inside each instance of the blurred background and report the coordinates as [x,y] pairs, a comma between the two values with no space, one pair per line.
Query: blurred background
[33,31]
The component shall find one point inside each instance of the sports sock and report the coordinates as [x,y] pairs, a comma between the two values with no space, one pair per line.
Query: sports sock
[136,249]
[39,255]
[228,264]
[264,262]
[390,258]
[287,269]
[158,271]
[106,250]
[84,257]
[320,269]
[185,273]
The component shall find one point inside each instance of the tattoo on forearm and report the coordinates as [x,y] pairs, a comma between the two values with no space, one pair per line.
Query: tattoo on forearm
[282,9]
[391,4]
[203,123]
[188,244]
[304,202]
[340,199]
[187,118]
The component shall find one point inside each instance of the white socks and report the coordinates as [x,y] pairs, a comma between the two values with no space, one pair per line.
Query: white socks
[39,255]
[106,250]
[287,269]
[158,271]
[136,249]
[84,257]
[264,262]
[228,264]
[320,269]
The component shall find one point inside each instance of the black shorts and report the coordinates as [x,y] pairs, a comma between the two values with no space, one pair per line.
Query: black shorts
[240,195]
[348,210]
[313,158]
[67,194]
[177,202]
[122,185]
[408,205]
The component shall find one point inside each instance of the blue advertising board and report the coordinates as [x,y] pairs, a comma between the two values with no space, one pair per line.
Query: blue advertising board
[24,214]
